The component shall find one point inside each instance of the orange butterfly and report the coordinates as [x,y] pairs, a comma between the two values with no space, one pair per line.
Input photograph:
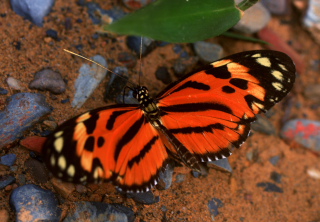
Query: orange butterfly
[199,118]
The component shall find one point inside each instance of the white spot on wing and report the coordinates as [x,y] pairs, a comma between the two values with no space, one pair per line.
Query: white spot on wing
[62,163]
[282,67]
[58,144]
[256,55]
[278,75]
[71,171]
[277,86]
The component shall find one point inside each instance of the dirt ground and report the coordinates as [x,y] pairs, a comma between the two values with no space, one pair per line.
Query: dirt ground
[242,199]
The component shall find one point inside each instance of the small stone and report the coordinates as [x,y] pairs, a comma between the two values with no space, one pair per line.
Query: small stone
[64,101]
[32,203]
[50,124]
[97,14]
[303,131]
[34,143]
[21,113]
[163,75]
[3,91]
[127,59]
[270,187]
[276,177]
[208,52]
[165,177]
[117,83]
[33,10]
[180,178]
[314,173]
[144,198]
[37,170]
[277,7]
[63,188]
[263,125]
[88,80]
[183,66]
[96,211]
[214,205]
[254,19]
[50,80]
[81,189]
[222,164]
[274,160]
[14,84]
[6,180]
[134,43]
[8,159]
[52,33]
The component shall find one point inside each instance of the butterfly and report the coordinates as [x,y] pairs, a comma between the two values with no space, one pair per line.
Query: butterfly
[199,118]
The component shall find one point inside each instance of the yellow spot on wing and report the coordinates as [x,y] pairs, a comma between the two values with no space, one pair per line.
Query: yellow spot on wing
[278,75]
[71,170]
[58,134]
[58,144]
[277,86]
[264,61]
[62,162]
[257,55]
[283,67]
[83,117]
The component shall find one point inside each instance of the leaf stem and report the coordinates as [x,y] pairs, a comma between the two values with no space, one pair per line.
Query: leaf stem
[245,4]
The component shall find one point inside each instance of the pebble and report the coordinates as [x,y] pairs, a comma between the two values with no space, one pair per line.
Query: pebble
[180,178]
[4,215]
[136,4]
[33,10]
[50,124]
[52,33]
[127,98]
[270,187]
[6,180]
[134,43]
[37,170]
[14,84]
[88,80]
[21,113]
[50,80]
[303,131]
[34,143]
[117,83]
[163,75]
[165,177]
[144,198]
[254,19]
[182,66]
[97,211]
[208,52]
[274,160]
[263,125]
[8,159]
[222,164]
[96,13]
[314,173]
[276,177]
[277,7]
[32,203]
[127,59]
[3,91]
[214,205]
[312,16]
[63,188]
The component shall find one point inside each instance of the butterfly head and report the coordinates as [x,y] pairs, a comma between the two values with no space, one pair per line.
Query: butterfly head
[142,95]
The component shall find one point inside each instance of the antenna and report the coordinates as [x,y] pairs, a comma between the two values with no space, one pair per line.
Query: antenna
[140,59]
[90,60]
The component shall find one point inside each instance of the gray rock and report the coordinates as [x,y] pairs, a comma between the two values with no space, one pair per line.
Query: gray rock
[21,113]
[8,159]
[222,164]
[208,52]
[37,203]
[33,10]
[50,80]
[88,80]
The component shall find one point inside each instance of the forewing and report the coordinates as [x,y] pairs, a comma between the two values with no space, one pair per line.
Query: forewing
[210,111]
[114,143]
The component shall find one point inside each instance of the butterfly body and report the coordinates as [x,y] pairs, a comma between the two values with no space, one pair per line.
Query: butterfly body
[197,119]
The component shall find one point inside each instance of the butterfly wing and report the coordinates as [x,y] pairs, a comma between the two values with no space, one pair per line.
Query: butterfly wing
[210,112]
[113,143]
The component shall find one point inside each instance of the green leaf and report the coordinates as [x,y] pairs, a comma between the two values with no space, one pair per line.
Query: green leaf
[179,20]
[243,37]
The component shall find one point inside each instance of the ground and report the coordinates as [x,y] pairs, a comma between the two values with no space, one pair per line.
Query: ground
[242,199]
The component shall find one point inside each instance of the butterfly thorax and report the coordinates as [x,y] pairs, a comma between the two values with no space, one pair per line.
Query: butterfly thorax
[148,104]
